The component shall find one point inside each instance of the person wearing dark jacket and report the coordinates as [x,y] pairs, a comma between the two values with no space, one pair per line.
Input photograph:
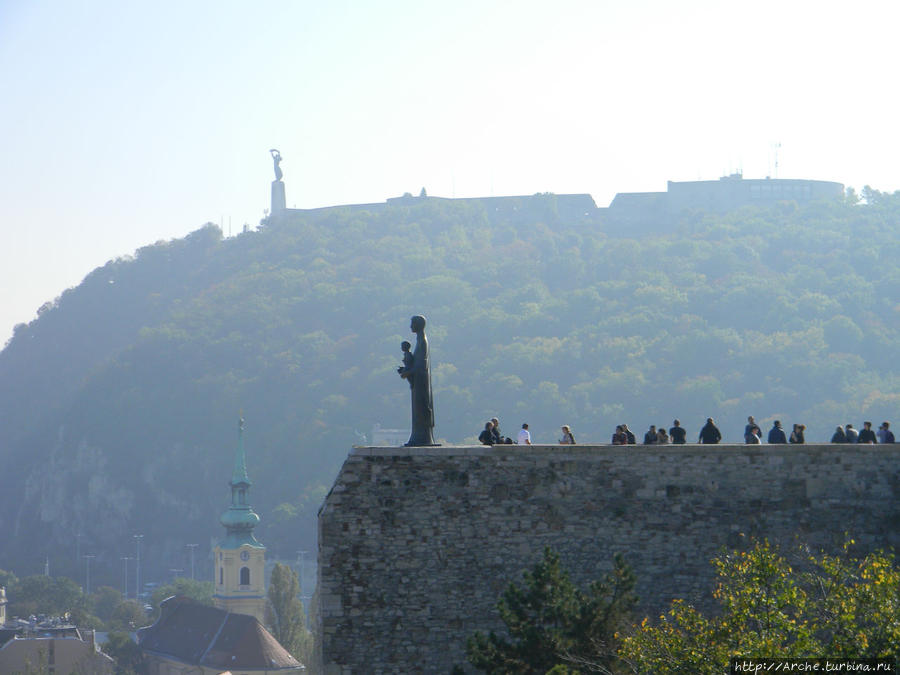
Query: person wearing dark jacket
[487,436]
[629,434]
[866,435]
[797,435]
[710,433]
[839,436]
[776,433]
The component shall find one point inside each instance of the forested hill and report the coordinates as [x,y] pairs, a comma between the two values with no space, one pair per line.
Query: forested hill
[119,403]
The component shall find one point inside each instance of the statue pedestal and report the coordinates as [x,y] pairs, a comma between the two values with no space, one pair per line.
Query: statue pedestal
[278,200]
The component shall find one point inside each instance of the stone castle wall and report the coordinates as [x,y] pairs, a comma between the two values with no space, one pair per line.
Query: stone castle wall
[416,544]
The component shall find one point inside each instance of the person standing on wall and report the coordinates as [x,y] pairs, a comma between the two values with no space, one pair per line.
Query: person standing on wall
[776,433]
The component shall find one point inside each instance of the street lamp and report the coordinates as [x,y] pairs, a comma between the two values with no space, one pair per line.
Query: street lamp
[125,559]
[192,547]
[137,583]
[87,563]
[301,556]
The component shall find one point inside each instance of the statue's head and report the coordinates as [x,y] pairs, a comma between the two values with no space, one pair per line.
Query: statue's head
[417,323]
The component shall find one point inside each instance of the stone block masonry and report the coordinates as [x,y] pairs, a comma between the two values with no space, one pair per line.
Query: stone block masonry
[416,544]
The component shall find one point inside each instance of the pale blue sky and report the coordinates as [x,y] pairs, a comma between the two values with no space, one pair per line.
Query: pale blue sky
[123,123]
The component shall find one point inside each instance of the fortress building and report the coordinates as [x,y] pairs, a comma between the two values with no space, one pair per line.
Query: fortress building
[628,213]
[715,196]
[417,544]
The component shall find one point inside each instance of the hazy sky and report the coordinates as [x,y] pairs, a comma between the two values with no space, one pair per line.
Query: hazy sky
[123,123]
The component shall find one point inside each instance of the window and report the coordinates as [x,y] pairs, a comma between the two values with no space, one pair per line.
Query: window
[245,576]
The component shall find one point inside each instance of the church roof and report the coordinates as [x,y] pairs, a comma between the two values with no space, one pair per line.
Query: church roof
[207,636]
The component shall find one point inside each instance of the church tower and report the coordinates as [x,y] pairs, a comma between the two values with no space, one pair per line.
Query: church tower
[240,559]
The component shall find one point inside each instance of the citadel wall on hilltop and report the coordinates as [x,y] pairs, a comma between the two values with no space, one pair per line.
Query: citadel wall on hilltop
[416,544]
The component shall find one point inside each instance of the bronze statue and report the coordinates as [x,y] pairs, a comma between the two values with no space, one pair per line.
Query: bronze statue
[418,372]
[276,158]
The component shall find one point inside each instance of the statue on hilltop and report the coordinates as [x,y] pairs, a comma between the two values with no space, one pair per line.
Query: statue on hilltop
[417,371]
[276,158]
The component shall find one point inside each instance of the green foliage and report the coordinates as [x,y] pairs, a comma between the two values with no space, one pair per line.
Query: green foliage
[551,624]
[50,596]
[199,591]
[128,656]
[131,382]
[839,606]
[284,613]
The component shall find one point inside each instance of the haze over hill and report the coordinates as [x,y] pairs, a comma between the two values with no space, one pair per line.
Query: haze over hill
[128,123]
[119,403]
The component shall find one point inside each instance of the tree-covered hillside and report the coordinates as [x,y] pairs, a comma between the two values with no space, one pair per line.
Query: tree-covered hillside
[119,403]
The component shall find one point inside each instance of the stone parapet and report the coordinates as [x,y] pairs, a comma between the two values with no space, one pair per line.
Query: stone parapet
[416,544]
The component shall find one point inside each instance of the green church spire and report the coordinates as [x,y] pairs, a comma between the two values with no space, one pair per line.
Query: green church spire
[239,520]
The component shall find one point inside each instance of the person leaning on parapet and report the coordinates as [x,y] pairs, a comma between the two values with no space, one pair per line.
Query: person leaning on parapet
[710,433]
[487,436]
[776,433]
[838,436]
[851,434]
[884,433]
[651,437]
[498,437]
[798,434]
[753,435]
[619,438]
[866,435]
[678,434]
[524,436]
[567,437]
[662,438]
[631,439]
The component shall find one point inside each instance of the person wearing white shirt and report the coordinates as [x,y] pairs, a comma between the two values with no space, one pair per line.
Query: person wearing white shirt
[524,436]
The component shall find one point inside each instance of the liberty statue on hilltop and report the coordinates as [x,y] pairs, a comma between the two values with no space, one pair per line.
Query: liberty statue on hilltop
[279,201]
[276,159]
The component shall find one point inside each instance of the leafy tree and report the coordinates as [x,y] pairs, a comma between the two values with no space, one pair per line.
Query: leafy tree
[7,579]
[551,624]
[127,654]
[104,601]
[841,607]
[284,613]
[39,594]
[200,591]
[128,615]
